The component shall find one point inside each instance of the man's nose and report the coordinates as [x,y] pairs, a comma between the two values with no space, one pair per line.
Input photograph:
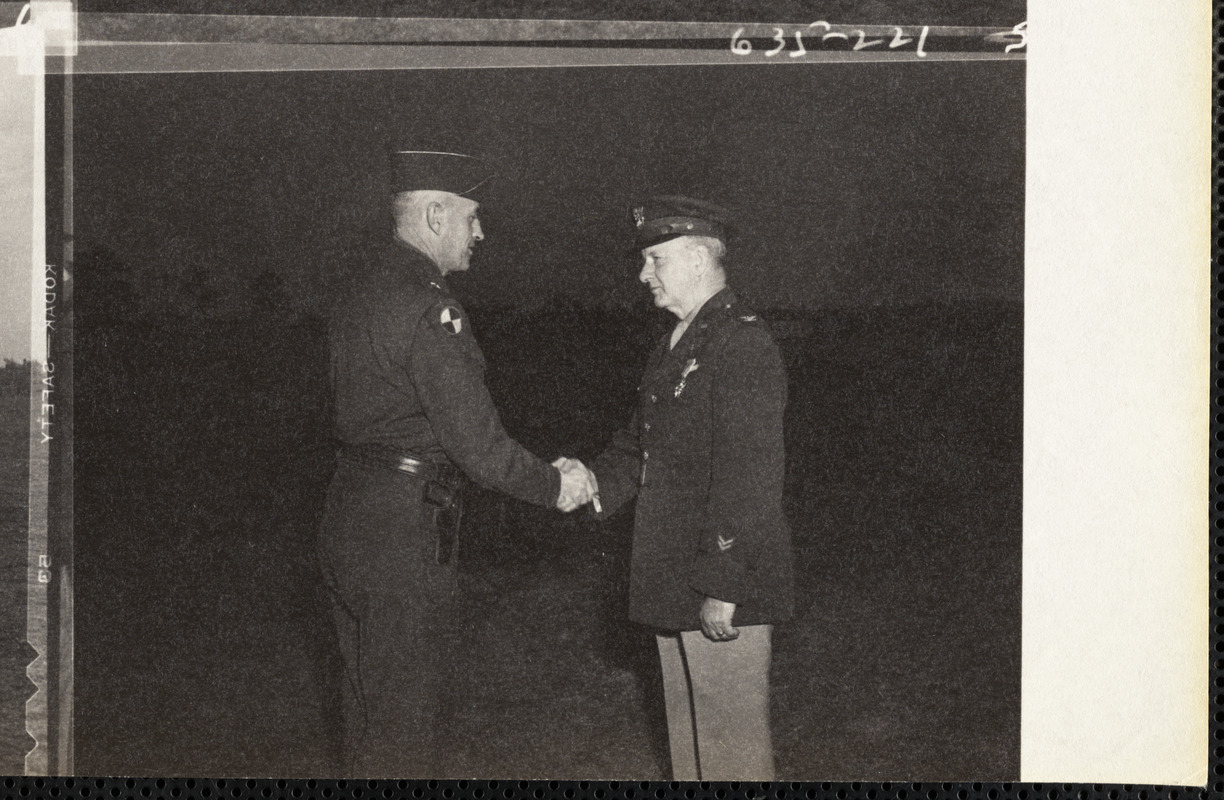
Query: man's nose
[646,272]
[477,232]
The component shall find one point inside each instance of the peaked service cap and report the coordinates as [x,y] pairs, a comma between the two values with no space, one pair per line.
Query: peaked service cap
[414,170]
[662,218]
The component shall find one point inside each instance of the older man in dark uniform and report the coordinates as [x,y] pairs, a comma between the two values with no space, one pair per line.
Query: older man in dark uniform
[415,421]
[711,562]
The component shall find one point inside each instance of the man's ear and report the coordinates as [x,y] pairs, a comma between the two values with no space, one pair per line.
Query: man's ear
[434,214]
[701,257]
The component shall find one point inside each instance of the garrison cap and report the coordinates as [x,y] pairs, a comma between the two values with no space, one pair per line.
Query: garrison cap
[662,218]
[413,170]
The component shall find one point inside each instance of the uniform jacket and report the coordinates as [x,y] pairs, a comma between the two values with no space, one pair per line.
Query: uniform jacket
[407,374]
[704,457]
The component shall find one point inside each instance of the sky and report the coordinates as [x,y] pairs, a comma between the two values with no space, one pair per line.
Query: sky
[853,184]
[17,124]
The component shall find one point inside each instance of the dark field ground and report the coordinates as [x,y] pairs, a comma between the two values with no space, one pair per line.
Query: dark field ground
[203,647]
[14,654]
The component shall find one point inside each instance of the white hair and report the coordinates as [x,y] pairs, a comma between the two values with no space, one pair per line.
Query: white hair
[410,206]
[712,245]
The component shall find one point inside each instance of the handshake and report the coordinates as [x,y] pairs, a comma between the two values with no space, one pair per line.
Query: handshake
[578,485]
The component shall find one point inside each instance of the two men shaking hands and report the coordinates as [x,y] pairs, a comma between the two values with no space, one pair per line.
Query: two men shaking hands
[703,457]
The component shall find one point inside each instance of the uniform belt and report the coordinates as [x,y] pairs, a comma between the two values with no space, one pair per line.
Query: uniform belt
[387,458]
[443,488]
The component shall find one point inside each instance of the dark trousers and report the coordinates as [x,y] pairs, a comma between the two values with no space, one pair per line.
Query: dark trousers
[393,608]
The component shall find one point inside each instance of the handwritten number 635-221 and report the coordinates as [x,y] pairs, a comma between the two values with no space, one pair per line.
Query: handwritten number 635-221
[743,47]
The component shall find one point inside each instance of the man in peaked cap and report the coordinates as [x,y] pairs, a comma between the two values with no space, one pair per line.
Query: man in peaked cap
[415,422]
[711,567]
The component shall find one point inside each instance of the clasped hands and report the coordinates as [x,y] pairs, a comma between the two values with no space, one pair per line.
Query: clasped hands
[578,485]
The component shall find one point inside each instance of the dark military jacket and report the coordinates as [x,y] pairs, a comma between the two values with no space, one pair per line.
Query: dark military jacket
[407,374]
[704,456]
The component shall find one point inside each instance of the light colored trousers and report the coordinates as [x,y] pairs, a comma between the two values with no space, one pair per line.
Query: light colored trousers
[717,698]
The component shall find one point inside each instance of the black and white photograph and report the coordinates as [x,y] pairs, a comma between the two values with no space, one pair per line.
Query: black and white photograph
[621,394]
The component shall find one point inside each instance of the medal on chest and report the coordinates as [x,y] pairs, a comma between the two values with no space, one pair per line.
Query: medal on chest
[689,368]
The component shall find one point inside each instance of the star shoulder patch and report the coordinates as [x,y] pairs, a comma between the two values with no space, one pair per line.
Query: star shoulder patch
[452,320]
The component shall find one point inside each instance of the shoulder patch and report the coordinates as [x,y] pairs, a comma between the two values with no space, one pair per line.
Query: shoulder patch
[451,320]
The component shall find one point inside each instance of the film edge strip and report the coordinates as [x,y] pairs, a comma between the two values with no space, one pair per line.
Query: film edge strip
[111,43]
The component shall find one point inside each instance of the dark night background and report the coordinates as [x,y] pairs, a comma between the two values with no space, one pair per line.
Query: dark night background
[881,211]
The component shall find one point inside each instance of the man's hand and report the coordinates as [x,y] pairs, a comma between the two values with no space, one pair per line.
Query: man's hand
[578,484]
[716,620]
